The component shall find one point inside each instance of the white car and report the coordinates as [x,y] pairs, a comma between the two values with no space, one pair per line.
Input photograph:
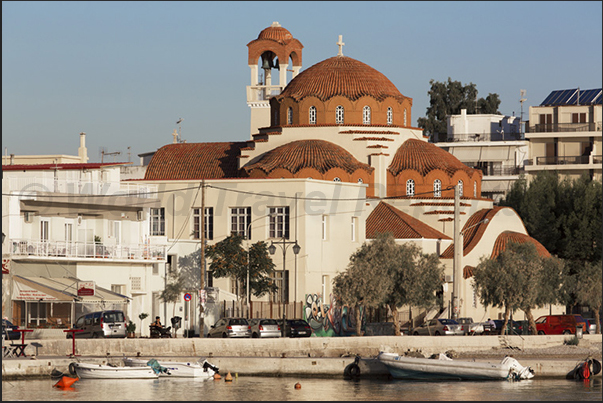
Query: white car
[439,327]
[470,327]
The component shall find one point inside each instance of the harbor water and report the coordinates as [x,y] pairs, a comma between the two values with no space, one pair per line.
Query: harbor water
[250,388]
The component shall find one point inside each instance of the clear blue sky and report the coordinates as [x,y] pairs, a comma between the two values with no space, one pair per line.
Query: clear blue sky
[125,72]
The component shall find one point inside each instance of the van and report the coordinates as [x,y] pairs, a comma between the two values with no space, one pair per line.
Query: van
[100,324]
[558,324]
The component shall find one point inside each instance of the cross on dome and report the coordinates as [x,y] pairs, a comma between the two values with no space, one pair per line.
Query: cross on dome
[340,44]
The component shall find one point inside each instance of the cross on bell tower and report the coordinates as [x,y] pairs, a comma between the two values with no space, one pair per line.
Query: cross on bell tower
[340,44]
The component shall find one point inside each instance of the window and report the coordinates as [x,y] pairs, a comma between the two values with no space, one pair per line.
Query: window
[157,221]
[354,228]
[410,187]
[279,222]
[136,284]
[282,281]
[405,122]
[118,288]
[475,189]
[44,230]
[390,116]
[461,188]
[339,115]
[240,217]
[437,188]
[360,180]
[366,115]
[312,115]
[68,232]
[289,115]
[115,231]
[337,179]
[324,227]
[209,223]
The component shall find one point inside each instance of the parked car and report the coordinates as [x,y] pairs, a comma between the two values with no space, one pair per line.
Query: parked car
[230,328]
[513,327]
[592,325]
[439,327]
[8,330]
[261,328]
[586,327]
[558,324]
[470,327]
[98,324]
[297,328]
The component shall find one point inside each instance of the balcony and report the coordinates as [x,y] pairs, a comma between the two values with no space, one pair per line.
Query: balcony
[565,127]
[62,250]
[500,171]
[52,185]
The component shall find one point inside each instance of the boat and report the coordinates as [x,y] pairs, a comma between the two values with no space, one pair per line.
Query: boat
[444,368]
[182,369]
[100,371]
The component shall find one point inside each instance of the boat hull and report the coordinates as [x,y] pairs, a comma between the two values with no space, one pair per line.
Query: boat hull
[175,369]
[97,371]
[411,368]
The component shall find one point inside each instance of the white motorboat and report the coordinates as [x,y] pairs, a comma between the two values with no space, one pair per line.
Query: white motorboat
[182,369]
[99,371]
[444,368]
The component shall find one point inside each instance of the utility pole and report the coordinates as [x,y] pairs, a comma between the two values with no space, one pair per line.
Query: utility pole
[202,262]
[458,254]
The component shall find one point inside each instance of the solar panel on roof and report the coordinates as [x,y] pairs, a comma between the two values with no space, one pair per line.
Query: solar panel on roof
[570,97]
[589,97]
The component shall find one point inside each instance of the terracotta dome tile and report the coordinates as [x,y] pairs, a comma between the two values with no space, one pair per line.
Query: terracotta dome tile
[387,218]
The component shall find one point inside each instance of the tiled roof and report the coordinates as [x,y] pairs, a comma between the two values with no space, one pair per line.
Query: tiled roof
[318,154]
[510,236]
[195,161]
[473,234]
[424,157]
[344,76]
[368,132]
[386,218]
[276,33]
[372,139]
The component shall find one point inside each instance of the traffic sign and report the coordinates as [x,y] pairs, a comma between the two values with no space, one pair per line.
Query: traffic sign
[187,297]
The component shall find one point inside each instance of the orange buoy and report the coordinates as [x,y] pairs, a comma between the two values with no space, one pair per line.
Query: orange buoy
[65,382]
[298,385]
[217,376]
[228,377]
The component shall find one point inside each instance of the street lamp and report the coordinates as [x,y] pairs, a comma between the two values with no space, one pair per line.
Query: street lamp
[272,249]
[248,248]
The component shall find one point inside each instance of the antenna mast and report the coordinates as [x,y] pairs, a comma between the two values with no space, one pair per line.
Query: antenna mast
[522,94]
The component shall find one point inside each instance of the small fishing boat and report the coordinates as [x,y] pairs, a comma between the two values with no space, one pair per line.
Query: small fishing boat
[445,368]
[99,371]
[182,369]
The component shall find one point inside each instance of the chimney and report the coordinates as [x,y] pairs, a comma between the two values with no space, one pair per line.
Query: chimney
[12,159]
[82,152]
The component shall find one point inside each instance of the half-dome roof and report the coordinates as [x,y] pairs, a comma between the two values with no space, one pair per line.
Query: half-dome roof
[318,154]
[276,33]
[341,75]
[424,157]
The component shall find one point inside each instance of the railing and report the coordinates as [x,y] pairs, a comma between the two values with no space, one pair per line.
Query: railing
[81,187]
[502,171]
[580,159]
[476,137]
[85,250]
[262,92]
[565,127]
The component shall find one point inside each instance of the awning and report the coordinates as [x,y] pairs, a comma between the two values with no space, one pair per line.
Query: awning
[60,289]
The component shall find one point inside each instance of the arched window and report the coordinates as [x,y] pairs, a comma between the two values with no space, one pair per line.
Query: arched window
[312,115]
[366,115]
[337,179]
[289,115]
[474,188]
[405,123]
[461,188]
[360,180]
[390,116]
[437,188]
[410,187]
[339,115]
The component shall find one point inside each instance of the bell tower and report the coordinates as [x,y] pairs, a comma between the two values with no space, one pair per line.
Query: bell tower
[273,49]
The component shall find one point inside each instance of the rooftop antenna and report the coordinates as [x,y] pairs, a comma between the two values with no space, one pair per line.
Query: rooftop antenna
[129,154]
[179,129]
[103,152]
[522,99]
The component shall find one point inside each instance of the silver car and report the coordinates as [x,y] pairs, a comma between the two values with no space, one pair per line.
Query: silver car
[230,328]
[439,327]
[261,328]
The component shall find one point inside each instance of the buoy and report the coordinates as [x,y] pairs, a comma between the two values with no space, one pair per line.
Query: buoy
[217,376]
[65,382]
[298,385]
[228,377]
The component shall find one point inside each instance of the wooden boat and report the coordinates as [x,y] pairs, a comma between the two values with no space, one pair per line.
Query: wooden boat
[444,368]
[200,369]
[98,371]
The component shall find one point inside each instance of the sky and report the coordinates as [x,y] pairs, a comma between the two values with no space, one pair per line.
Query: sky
[125,72]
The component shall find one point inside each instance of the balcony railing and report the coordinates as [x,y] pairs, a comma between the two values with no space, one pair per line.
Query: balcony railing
[571,160]
[81,187]
[502,171]
[565,127]
[86,250]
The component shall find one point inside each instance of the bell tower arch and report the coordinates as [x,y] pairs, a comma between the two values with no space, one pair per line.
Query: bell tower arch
[273,49]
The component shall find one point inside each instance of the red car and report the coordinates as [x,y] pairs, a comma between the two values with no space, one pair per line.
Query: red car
[558,324]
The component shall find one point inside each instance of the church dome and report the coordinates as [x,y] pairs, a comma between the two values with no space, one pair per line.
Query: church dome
[341,75]
[276,33]
[425,157]
[319,155]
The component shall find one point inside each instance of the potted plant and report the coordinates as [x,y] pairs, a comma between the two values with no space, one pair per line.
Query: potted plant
[131,329]
[142,316]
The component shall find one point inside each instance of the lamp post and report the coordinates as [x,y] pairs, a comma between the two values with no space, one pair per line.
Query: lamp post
[272,249]
[458,254]
[248,260]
